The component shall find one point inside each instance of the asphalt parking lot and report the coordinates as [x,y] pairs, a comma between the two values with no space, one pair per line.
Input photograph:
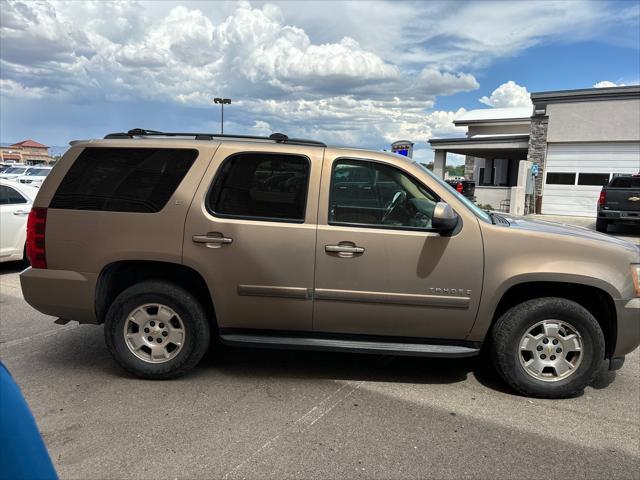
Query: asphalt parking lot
[248,413]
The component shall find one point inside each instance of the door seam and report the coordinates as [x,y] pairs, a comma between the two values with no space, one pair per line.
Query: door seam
[315,246]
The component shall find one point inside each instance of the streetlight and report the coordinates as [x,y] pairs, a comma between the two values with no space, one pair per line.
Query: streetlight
[222,101]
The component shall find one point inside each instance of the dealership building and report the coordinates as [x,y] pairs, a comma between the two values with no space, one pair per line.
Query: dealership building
[577,140]
[29,152]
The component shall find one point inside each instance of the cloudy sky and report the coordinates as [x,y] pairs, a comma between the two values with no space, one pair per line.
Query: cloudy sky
[357,73]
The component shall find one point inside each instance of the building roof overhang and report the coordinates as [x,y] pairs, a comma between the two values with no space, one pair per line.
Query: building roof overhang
[497,121]
[586,95]
[495,116]
[490,146]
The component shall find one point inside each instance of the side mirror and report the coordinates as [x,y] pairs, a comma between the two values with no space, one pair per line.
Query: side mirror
[444,218]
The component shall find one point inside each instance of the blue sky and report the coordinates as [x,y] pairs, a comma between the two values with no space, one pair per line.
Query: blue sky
[555,66]
[356,73]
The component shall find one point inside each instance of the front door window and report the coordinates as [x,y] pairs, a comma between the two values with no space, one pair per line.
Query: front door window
[372,194]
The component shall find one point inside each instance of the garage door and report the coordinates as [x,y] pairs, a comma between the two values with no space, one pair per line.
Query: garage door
[575,172]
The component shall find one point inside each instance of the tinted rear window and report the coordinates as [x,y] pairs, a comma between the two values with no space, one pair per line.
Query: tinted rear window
[625,182]
[123,179]
[261,186]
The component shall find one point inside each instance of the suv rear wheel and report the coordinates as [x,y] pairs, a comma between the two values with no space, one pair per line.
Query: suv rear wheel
[548,347]
[601,225]
[156,330]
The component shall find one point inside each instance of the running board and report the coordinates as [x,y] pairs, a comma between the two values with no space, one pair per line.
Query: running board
[353,346]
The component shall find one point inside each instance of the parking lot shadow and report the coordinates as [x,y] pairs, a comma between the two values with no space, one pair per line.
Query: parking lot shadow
[11,267]
[256,362]
[85,346]
[623,230]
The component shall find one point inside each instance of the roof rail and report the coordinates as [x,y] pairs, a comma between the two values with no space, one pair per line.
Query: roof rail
[276,137]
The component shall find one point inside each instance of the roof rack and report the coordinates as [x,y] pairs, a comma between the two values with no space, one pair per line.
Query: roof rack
[276,137]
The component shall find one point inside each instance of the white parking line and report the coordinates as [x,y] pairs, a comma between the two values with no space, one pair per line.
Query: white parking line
[307,420]
[48,333]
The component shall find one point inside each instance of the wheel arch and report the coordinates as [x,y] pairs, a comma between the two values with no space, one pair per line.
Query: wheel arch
[120,275]
[596,300]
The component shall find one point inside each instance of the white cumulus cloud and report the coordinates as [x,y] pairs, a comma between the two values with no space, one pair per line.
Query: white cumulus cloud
[279,78]
[186,57]
[508,94]
[607,83]
[346,72]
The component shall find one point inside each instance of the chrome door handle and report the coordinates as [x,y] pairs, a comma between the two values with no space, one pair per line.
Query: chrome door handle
[212,240]
[21,212]
[344,249]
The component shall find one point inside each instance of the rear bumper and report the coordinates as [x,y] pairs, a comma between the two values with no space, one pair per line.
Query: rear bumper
[628,337]
[60,293]
[619,215]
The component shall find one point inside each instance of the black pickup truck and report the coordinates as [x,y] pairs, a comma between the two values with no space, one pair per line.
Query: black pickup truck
[619,202]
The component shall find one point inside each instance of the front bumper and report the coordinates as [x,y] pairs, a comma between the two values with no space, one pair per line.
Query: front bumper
[628,335]
[60,293]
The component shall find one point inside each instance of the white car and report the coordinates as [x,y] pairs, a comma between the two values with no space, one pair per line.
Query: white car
[15,204]
[34,176]
[12,173]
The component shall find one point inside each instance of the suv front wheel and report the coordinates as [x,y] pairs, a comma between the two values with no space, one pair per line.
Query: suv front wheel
[156,330]
[548,347]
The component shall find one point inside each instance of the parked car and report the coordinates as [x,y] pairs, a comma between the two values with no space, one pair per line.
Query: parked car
[15,203]
[619,202]
[34,176]
[465,187]
[13,172]
[168,238]
[8,164]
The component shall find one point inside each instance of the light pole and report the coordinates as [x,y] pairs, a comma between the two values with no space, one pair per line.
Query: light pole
[222,101]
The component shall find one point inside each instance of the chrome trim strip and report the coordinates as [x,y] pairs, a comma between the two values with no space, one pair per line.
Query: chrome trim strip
[357,346]
[271,291]
[442,301]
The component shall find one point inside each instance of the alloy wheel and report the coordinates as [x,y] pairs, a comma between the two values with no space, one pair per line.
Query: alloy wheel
[551,350]
[154,333]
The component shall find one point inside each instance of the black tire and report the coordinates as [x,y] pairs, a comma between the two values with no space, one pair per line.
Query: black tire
[511,326]
[194,318]
[601,225]
[24,263]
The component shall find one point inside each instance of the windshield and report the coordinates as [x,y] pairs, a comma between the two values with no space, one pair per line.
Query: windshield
[40,172]
[15,170]
[480,213]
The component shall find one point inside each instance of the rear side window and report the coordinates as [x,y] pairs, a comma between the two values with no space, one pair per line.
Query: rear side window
[9,196]
[261,186]
[123,179]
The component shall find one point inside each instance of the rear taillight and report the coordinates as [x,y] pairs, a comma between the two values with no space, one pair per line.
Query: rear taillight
[459,187]
[603,198]
[36,227]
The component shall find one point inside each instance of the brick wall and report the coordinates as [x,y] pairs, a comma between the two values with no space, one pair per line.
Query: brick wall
[469,164]
[538,148]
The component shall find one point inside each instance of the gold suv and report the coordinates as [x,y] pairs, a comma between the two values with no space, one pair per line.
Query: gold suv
[170,239]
